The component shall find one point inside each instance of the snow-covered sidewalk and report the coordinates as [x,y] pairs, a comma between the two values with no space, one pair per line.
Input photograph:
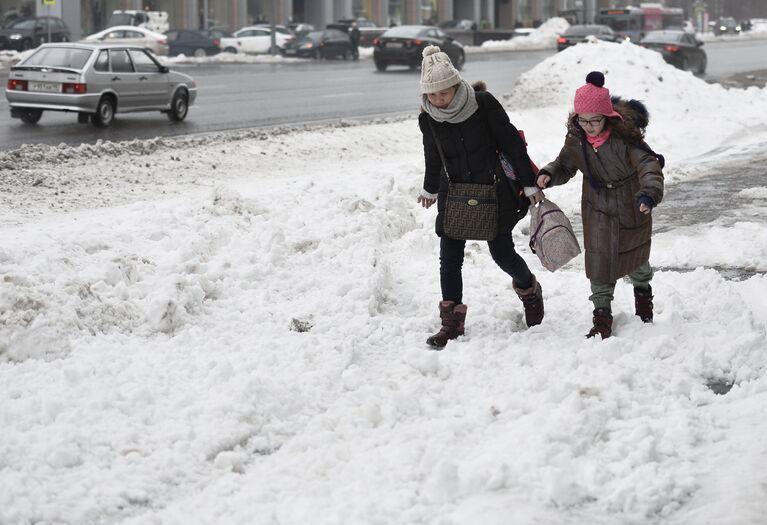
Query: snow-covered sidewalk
[229,329]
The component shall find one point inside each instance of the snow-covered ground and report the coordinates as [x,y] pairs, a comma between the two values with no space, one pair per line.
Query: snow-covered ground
[229,328]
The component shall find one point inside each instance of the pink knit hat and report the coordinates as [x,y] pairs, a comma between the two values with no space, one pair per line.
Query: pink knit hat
[594,97]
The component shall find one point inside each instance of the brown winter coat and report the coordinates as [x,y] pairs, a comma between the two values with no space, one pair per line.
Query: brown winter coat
[616,234]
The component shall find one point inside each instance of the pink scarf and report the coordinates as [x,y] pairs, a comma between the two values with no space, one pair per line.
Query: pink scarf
[597,140]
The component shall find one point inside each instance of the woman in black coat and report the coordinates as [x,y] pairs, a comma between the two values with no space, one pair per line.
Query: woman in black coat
[471,127]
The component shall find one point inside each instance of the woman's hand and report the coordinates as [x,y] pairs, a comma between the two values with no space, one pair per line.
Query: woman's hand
[644,208]
[425,201]
[543,180]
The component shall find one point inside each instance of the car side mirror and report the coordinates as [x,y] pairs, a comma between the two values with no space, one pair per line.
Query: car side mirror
[164,69]
[699,43]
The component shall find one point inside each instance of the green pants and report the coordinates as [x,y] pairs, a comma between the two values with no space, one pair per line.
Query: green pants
[602,293]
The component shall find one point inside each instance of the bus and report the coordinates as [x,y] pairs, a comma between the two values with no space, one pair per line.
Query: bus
[632,23]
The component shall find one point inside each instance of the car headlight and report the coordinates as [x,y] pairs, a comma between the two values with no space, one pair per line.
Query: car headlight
[15,36]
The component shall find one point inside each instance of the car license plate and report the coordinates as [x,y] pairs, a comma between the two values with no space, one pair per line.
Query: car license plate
[290,51]
[47,87]
[393,44]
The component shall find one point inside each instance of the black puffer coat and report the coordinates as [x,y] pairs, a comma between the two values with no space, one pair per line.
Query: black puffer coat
[470,152]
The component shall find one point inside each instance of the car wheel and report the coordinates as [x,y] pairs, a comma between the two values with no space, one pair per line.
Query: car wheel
[685,64]
[702,66]
[26,45]
[179,106]
[31,116]
[460,60]
[199,53]
[381,65]
[105,113]
[230,50]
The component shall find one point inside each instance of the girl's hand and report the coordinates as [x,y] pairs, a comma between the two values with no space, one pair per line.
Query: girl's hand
[426,202]
[535,198]
[543,180]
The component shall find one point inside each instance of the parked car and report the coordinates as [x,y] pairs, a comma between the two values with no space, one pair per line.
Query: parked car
[726,25]
[679,48]
[462,24]
[26,33]
[368,30]
[576,34]
[130,35]
[96,80]
[330,43]
[256,39]
[191,42]
[403,45]
[156,21]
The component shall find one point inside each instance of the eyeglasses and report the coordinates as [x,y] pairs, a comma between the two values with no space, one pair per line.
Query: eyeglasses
[592,122]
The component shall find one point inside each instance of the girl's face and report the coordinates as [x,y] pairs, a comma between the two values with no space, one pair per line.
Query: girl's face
[442,99]
[592,123]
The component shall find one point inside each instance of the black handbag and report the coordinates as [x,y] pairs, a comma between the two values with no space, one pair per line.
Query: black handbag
[471,210]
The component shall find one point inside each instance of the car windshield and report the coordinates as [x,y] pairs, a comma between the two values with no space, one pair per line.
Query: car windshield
[403,32]
[28,23]
[662,37]
[69,57]
[121,19]
[583,30]
[314,36]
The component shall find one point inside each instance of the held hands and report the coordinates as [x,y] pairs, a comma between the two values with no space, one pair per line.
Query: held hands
[425,201]
[536,197]
[543,180]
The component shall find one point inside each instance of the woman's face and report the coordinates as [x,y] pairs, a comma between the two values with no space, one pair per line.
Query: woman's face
[442,99]
[592,123]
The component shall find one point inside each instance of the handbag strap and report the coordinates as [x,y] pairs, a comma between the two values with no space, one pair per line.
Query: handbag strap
[439,147]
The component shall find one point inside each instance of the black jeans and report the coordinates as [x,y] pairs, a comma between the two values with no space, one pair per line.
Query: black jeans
[503,253]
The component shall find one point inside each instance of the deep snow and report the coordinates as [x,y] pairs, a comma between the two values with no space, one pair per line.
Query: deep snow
[228,328]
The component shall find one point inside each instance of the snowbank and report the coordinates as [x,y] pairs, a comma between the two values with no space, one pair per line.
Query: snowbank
[229,329]
[544,37]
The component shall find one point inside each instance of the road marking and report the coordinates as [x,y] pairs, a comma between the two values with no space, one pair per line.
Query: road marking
[338,95]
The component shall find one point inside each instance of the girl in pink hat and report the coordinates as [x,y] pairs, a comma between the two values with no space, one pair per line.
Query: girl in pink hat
[622,183]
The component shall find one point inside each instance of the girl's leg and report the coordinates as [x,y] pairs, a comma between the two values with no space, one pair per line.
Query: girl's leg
[450,264]
[642,276]
[602,294]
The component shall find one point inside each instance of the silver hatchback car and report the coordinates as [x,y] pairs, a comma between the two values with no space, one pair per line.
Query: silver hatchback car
[96,81]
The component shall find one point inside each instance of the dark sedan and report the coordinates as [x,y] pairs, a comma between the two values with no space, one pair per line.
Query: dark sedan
[330,43]
[403,45]
[26,33]
[192,43]
[678,48]
[580,33]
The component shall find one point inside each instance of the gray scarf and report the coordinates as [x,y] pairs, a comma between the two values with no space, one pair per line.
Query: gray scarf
[463,105]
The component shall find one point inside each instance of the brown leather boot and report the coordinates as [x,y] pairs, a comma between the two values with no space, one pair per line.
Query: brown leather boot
[453,316]
[603,323]
[532,300]
[643,303]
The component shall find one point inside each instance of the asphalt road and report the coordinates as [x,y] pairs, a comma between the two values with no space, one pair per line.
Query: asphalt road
[235,96]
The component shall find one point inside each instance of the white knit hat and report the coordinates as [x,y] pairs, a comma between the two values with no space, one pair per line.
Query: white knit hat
[437,71]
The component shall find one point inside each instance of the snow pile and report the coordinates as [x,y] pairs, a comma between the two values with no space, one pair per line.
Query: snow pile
[673,97]
[544,37]
[247,347]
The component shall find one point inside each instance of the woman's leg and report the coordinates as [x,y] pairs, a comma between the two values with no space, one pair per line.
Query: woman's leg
[602,294]
[522,280]
[508,260]
[643,296]
[450,264]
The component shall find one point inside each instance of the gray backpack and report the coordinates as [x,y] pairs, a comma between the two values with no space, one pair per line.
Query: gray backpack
[551,235]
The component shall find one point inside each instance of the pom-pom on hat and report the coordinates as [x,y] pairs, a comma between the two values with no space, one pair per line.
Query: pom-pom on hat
[594,97]
[437,71]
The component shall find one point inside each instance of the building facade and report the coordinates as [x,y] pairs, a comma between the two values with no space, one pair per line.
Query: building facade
[87,16]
